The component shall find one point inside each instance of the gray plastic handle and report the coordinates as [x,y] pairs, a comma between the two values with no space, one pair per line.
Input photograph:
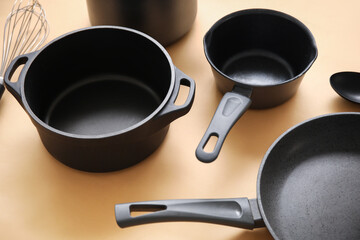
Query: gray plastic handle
[232,106]
[235,212]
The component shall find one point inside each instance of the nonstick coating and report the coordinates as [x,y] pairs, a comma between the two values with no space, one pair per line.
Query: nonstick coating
[101,98]
[258,58]
[347,85]
[259,48]
[309,185]
[114,82]
[256,67]
[308,188]
[102,105]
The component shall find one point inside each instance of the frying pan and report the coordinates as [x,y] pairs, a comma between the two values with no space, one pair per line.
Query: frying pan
[308,187]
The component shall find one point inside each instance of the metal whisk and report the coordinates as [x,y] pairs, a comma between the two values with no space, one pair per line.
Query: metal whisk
[26,29]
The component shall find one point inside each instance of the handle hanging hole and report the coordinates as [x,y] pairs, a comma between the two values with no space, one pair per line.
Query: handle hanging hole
[183,93]
[139,210]
[15,75]
[17,68]
[210,144]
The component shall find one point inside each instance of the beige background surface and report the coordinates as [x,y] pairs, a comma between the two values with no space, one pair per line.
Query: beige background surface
[41,198]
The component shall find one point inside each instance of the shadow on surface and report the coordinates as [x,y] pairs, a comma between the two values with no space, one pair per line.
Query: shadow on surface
[341,105]
[256,234]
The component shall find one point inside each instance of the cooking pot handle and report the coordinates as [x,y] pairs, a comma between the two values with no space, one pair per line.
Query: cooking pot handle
[171,111]
[15,87]
[235,212]
[232,106]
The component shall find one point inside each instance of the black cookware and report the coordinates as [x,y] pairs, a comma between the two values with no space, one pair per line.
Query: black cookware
[308,187]
[164,20]
[101,98]
[259,58]
[347,85]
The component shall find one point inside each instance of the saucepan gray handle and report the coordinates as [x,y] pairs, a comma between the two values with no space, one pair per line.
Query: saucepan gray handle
[235,212]
[232,106]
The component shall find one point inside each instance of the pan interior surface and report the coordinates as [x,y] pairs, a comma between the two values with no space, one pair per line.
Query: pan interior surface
[101,105]
[258,67]
[259,47]
[310,186]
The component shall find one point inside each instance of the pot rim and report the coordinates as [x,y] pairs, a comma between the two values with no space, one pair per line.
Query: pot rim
[114,133]
[270,149]
[261,11]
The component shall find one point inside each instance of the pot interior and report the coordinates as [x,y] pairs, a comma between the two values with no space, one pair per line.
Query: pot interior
[260,47]
[98,81]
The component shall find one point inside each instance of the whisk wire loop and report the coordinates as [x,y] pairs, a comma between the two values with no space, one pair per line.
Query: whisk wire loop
[26,29]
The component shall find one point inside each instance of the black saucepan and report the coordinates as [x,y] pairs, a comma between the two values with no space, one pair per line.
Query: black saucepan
[308,187]
[164,20]
[258,58]
[101,98]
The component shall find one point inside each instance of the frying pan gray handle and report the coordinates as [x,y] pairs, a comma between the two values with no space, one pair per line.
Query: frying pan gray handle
[232,106]
[15,87]
[235,212]
[171,111]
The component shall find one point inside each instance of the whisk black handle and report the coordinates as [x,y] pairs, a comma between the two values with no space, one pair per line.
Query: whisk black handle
[2,88]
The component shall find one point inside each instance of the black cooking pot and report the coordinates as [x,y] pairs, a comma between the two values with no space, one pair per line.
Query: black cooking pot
[164,20]
[308,187]
[101,98]
[259,58]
